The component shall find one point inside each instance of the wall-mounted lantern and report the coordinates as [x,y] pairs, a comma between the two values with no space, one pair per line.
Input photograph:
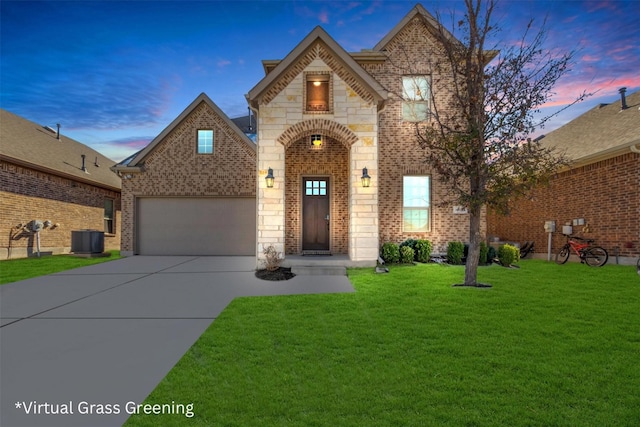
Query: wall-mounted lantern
[269,178]
[366,179]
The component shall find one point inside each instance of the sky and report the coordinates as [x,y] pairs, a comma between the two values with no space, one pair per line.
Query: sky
[114,74]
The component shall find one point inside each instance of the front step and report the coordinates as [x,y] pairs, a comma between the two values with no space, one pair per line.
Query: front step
[318,270]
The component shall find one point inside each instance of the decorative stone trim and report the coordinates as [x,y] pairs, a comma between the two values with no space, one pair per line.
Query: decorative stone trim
[326,127]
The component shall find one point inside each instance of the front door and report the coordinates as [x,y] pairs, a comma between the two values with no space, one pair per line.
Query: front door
[315,214]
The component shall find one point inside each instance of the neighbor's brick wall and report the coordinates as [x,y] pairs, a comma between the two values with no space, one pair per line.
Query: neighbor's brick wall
[27,194]
[412,51]
[606,194]
[175,168]
[303,160]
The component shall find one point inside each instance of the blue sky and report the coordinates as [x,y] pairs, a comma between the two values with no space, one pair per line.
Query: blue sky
[114,74]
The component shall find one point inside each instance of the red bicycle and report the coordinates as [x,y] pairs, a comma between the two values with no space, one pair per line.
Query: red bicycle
[593,256]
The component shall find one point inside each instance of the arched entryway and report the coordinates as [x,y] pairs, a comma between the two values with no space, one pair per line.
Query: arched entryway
[317,187]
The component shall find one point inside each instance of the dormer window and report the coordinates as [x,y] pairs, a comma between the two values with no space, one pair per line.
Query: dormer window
[317,93]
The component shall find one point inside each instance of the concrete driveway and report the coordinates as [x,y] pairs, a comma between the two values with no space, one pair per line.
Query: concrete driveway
[107,334]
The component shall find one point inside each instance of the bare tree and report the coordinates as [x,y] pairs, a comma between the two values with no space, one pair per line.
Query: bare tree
[478,143]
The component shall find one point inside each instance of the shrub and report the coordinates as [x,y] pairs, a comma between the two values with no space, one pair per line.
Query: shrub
[484,251]
[409,242]
[272,258]
[508,254]
[491,254]
[406,254]
[390,253]
[423,250]
[455,250]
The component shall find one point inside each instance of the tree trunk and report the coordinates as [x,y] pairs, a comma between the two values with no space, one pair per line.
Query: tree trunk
[473,257]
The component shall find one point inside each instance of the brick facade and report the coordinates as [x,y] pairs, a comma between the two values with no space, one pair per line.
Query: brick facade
[303,160]
[606,194]
[28,194]
[411,51]
[175,169]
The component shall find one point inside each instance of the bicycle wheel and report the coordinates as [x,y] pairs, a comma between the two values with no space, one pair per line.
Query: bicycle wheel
[563,255]
[596,256]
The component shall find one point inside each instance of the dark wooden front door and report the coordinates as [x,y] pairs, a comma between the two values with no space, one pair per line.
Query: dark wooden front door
[315,214]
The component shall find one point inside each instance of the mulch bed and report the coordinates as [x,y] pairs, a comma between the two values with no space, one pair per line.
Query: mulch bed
[279,274]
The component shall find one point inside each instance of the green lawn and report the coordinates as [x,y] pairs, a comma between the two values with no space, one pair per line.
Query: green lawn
[548,345]
[26,268]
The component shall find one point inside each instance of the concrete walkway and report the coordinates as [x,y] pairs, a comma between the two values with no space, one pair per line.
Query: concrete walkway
[107,334]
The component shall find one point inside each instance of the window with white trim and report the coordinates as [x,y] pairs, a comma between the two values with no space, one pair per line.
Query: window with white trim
[416,204]
[416,95]
[205,141]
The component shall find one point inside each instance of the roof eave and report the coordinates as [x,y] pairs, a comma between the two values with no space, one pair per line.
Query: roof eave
[142,155]
[258,90]
[59,173]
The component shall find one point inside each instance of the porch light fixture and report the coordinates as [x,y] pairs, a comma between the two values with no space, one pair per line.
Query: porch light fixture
[366,179]
[269,178]
[316,140]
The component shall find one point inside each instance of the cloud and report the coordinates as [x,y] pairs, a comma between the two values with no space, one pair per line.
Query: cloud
[223,63]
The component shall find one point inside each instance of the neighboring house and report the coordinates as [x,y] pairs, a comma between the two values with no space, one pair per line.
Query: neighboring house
[598,194]
[326,119]
[47,177]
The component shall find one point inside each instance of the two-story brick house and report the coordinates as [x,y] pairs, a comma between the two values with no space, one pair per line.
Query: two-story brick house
[336,168]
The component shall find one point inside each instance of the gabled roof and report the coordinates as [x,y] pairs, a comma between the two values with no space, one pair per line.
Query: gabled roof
[318,34]
[602,132]
[31,145]
[418,10]
[132,164]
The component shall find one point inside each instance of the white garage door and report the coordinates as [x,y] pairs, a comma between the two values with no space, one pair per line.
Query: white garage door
[196,226]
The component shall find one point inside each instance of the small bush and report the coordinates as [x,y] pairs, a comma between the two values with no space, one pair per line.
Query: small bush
[272,259]
[423,250]
[390,253]
[406,254]
[484,251]
[409,242]
[491,254]
[508,254]
[455,251]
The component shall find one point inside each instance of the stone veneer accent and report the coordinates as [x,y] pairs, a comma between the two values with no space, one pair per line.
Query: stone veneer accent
[282,123]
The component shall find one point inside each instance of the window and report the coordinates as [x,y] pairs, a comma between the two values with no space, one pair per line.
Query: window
[416,204]
[108,216]
[317,90]
[205,142]
[415,94]
[315,188]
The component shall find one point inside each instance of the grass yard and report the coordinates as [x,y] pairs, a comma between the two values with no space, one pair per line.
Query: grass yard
[26,268]
[548,345]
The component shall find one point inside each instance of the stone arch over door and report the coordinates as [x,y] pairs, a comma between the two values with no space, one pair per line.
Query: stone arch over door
[324,127]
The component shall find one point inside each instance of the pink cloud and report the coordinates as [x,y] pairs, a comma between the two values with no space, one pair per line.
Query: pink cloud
[323,17]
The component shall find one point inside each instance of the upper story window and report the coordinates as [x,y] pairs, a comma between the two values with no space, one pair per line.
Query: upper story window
[205,141]
[317,93]
[416,96]
[416,204]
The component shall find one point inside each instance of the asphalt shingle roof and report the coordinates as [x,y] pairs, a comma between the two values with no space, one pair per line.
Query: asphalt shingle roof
[29,143]
[604,129]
